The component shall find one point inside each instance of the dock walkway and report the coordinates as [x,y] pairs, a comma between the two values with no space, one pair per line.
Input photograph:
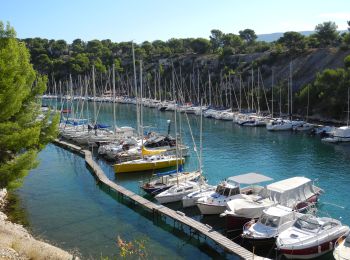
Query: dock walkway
[203,229]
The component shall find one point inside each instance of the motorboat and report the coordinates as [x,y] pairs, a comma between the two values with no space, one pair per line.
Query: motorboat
[342,248]
[164,181]
[340,134]
[298,193]
[310,237]
[190,199]
[229,190]
[270,224]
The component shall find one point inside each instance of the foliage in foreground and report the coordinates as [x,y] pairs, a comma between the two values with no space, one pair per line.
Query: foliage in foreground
[22,133]
[134,248]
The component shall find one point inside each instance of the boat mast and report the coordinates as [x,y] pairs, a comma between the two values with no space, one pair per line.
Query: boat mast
[209,89]
[240,93]
[280,101]
[308,103]
[200,139]
[175,123]
[252,91]
[94,92]
[113,82]
[291,91]
[348,106]
[135,82]
[258,94]
[141,110]
[272,83]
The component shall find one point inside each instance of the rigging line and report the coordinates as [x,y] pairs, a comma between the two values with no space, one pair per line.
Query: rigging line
[333,204]
[188,121]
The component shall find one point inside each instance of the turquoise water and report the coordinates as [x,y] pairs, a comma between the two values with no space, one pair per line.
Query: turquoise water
[64,205]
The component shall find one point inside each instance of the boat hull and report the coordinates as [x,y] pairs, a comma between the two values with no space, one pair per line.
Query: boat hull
[154,190]
[147,166]
[308,252]
[210,209]
[270,241]
[235,222]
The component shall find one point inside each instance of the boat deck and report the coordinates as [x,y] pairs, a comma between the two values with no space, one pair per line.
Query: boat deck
[205,230]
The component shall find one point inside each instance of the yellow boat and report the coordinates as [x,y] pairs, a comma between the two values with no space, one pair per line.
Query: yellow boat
[147,152]
[148,163]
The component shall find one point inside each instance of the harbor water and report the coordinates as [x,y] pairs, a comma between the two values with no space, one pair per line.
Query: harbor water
[63,205]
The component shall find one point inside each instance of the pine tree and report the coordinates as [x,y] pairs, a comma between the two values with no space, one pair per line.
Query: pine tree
[22,134]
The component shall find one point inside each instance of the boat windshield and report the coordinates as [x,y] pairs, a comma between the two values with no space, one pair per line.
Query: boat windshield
[269,221]
[225,191]
[307,224]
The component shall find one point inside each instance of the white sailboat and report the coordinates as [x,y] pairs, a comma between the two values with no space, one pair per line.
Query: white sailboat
[340,134]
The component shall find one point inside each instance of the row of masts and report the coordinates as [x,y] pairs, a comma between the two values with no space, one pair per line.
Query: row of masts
[230,92]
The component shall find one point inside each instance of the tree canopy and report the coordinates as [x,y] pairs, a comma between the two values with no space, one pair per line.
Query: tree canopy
[22,133]
[327,33]
[248,35]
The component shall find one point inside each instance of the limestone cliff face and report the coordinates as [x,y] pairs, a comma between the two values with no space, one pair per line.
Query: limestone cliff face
[305,66]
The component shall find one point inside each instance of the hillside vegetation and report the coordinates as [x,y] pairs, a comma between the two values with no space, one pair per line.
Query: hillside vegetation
[293,58]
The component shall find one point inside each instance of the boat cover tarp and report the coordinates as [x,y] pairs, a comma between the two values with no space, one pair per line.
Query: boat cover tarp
[290,191]
[249,178]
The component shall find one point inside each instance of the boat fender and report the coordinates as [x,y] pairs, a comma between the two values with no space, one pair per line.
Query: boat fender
[330,245]
[319,249]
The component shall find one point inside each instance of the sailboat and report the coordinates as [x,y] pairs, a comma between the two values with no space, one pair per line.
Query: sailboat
[181,189]
[341,134]
[151,159]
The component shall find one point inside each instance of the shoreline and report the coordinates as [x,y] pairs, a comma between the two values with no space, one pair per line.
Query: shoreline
[17,243]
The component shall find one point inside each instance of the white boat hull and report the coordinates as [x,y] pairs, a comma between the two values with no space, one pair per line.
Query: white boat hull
[210,209]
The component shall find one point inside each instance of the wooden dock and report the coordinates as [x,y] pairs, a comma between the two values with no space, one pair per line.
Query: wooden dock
[196,227]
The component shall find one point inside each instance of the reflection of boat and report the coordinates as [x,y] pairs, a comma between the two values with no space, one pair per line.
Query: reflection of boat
[228,190]
[342,248]
[272,221]
[310,237]
[153,162]
[164,182]
[297,193]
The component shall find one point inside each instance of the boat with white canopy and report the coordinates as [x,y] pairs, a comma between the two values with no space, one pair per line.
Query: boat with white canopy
[229,190]
[271,223]
[298,193]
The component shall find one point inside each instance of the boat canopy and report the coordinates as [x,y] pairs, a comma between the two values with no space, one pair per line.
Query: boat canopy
[278,211]
[289,191]
[249,178]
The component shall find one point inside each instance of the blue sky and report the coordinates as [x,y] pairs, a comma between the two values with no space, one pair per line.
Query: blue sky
[140,20]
